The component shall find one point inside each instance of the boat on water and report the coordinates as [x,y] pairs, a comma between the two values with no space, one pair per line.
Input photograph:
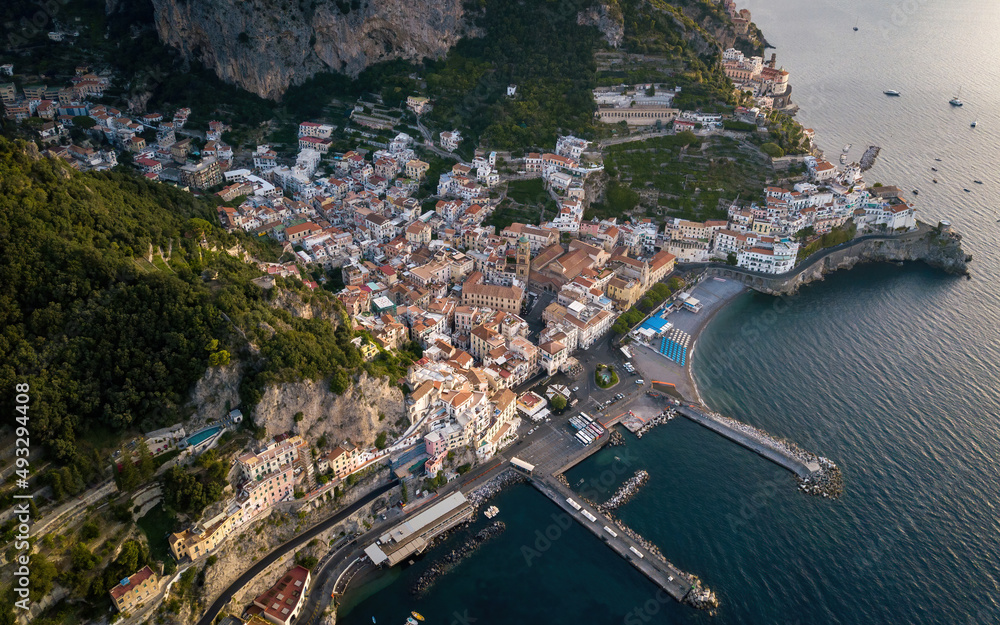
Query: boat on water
[957,100]
[847,148]
[843,159]
[978,181]
[916,192]
[412,621]
[890,92]
[417,616]
[934,181]
[974,124]
[491,512]
[933,168]
[967,190]
[856,22]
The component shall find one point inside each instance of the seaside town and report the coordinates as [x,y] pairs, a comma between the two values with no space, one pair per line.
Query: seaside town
[509,318]
[490,309]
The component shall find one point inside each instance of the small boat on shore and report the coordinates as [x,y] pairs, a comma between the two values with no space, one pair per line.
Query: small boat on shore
[891,92]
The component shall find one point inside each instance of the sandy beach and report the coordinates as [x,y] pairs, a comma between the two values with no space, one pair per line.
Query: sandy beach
[714,294]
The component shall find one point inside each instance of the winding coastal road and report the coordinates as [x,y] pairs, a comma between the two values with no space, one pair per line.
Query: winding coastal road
[284,548]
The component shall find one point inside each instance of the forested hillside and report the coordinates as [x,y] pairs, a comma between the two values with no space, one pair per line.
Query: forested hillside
[111,342]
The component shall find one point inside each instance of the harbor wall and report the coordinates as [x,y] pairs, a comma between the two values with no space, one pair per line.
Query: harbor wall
[777,456]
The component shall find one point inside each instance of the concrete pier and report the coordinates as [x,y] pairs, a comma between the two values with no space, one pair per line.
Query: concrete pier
[763,444]
[675,582]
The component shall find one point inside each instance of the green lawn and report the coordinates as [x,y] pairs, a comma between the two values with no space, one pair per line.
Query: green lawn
[157,525]
[530,192]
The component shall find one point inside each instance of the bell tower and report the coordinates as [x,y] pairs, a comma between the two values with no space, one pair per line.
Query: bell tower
[523,258]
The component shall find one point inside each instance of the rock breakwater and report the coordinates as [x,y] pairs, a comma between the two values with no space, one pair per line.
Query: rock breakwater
[625,492]
[451,559]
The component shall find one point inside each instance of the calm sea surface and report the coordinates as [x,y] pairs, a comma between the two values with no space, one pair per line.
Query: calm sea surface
[889,371]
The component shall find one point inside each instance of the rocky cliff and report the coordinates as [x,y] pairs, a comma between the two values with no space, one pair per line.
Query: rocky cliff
[266,46]
[941,250]
[370,406]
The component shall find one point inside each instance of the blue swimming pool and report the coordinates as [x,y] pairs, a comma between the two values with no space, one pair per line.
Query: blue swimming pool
[203,435]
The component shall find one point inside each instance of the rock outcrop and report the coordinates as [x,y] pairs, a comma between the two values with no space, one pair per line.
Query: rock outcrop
[608,19]
[266,46]
[936,248]
[368,407]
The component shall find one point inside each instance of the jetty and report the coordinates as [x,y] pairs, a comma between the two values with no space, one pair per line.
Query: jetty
[543,464]
[682,586]
[756,440]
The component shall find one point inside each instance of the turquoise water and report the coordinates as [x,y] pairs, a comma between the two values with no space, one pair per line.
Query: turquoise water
[889,371]
[203,435]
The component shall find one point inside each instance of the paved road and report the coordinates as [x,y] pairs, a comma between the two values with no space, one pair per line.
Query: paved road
[281,550]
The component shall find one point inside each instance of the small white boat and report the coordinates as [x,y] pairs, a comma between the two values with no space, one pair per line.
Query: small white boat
[847,148]
[843,159]
[891,92]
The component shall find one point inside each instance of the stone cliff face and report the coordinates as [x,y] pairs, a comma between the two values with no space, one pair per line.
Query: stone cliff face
[941,250]
[608,19]
[353,416]
[266,46]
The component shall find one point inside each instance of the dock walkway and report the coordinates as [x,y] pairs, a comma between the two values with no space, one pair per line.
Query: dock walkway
[755,440]
[665,575]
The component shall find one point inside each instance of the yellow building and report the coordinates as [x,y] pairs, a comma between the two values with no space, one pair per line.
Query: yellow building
[134,590]
[416,169]
[624,293]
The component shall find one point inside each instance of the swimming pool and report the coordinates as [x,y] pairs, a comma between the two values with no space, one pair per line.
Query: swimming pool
[203,435]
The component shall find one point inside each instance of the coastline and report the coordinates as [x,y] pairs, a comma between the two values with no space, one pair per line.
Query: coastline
[715,294]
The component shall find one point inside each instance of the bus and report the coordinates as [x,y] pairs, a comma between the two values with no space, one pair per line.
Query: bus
[611,531]
[594,429]
[580,437]
[635,551]
[587,418]
[590,517]
[572,503]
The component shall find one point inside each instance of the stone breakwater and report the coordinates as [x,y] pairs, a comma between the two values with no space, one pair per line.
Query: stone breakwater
[818,475]
[494,486]
[828,482]
[450,560]
[625,492]
[615,440]
[660,419]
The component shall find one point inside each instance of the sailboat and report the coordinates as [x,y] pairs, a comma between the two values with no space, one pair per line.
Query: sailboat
[957,100]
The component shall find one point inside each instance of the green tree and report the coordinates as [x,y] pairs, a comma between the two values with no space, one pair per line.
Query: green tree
[731,259]
[84,122]
[147,465]
[558,402]
[128,475]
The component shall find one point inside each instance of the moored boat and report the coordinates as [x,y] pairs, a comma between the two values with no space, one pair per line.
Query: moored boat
[891,92]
